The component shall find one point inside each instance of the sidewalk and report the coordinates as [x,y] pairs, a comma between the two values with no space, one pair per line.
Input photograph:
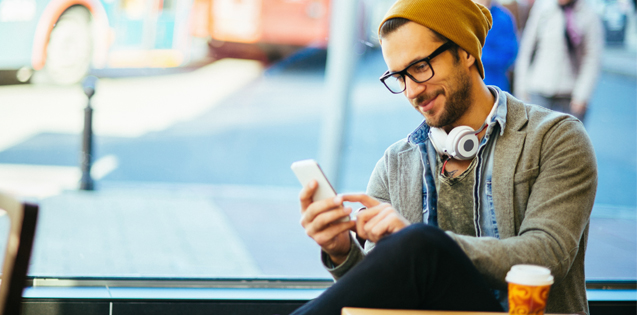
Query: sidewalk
[165,230]
[146,232]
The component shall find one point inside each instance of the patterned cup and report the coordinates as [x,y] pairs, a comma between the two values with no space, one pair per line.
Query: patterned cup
[529,287]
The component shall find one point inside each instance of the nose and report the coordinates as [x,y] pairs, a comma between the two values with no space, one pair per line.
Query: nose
[413,89]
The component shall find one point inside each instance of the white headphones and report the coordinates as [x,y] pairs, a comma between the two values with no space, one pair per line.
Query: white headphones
[461,143]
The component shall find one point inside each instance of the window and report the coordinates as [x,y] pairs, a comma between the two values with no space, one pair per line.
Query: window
[191,164]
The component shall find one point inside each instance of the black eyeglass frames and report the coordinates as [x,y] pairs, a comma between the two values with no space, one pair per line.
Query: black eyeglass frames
[420,71]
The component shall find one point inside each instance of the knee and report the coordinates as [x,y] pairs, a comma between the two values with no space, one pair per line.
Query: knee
[420,238]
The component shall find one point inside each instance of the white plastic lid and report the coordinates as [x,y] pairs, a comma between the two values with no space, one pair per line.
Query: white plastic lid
[530,275]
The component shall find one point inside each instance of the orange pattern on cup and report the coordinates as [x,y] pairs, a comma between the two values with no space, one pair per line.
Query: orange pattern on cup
[527,300]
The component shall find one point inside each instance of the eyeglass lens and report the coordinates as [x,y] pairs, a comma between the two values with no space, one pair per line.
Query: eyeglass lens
[419,72]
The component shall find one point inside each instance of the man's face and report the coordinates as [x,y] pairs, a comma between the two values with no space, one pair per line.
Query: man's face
[446,96]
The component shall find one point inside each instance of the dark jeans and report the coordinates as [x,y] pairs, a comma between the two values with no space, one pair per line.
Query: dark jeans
[420,267]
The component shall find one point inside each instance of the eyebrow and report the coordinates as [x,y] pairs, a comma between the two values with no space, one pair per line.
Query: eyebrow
[409,63]
[418,58]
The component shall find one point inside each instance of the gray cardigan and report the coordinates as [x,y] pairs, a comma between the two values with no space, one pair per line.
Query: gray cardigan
[544,184]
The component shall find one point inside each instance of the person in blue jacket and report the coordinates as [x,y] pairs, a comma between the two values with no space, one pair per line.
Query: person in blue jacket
[501,46]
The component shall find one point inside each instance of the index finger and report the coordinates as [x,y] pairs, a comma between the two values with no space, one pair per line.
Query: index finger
[366,200]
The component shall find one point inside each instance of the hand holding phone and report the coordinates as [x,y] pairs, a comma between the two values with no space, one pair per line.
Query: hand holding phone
[325,222]
[307,170]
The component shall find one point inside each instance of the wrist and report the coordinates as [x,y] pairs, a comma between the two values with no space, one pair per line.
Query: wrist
[339,257]
[337,260]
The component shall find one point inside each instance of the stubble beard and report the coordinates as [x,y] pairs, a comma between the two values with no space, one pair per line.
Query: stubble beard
[457,103]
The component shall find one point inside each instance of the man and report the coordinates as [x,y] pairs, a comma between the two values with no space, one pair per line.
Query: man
[486,182]
[560,56]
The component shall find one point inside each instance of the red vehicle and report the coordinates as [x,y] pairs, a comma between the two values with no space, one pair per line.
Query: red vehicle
[62,39]
[261,29]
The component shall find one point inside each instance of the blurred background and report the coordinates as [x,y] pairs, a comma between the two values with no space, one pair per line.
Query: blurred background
[200,107]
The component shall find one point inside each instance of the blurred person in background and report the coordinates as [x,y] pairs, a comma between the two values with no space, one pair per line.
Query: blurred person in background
[501,46]
[560,56]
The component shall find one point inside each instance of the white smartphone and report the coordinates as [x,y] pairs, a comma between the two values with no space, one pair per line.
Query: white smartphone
[307,170]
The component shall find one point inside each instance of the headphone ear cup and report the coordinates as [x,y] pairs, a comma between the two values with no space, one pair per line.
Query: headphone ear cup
[462,143]
[438,139]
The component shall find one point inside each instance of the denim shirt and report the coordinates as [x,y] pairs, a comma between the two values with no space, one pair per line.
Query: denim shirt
[484,213]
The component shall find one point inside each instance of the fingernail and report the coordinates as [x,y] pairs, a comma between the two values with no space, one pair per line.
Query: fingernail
[338,199]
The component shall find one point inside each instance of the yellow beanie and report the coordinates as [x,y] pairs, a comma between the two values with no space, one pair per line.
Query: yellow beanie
[464,22]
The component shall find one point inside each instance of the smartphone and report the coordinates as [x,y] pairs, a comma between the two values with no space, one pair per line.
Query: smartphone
[307,170]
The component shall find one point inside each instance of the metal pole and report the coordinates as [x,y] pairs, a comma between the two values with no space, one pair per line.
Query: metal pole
[341,63]
[86,182]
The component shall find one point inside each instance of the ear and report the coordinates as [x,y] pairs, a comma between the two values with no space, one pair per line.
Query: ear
[466,58]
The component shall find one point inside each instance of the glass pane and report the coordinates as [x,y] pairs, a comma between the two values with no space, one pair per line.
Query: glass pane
[192,147]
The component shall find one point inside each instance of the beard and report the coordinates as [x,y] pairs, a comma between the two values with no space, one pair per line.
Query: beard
[457,103]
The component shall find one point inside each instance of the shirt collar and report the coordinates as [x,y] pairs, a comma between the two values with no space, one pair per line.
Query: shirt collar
[501,111]
[421,134]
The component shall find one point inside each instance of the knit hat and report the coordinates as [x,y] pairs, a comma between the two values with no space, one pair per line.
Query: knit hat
[464,22]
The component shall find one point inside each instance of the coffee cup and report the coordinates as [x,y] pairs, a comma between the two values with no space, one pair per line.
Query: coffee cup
[529,287]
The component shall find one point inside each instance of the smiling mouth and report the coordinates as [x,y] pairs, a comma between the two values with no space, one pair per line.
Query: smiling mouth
[427,104]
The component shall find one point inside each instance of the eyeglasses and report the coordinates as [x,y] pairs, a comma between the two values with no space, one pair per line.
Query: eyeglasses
[419,71]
